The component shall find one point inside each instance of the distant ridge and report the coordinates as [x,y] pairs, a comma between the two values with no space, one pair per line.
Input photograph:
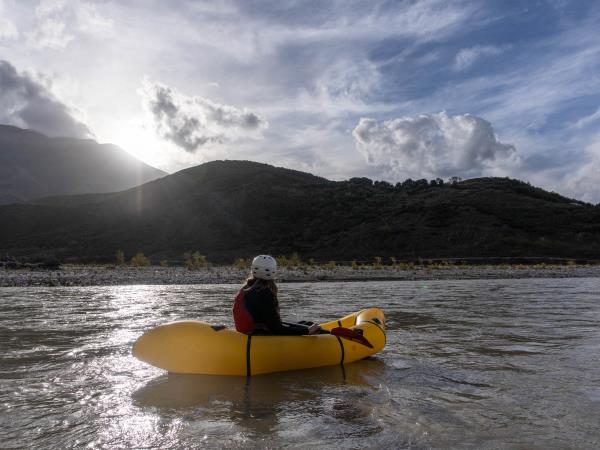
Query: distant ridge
[33,165]
[229,209]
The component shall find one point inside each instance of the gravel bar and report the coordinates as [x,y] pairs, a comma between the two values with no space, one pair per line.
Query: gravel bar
[72,275]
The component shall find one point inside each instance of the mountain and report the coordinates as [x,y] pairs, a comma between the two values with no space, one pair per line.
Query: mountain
[229,209]
[33,165]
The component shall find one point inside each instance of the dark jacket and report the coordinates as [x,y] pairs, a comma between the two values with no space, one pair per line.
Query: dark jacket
[262,304]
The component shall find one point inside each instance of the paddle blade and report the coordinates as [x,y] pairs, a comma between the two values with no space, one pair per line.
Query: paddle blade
[351,335]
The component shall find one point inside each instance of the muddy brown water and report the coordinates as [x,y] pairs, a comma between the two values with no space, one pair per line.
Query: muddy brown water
[470,364]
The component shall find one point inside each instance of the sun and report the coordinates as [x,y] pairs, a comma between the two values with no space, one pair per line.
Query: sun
[139,140]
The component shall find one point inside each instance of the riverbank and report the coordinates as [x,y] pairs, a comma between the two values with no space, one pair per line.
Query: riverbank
[74,275]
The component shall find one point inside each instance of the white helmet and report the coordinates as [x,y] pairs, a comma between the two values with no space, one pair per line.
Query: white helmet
[264,267]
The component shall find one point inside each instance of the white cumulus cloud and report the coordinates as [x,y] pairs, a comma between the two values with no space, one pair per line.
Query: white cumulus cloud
[191,122]
[432,145]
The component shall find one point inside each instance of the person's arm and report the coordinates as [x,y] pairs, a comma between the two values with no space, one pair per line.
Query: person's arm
[263,306]
[292,330]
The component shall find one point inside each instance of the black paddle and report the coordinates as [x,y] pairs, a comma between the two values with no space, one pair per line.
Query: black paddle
[351,335]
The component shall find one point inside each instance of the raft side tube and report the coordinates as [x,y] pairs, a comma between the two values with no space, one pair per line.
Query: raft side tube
[283,353]
[195,347]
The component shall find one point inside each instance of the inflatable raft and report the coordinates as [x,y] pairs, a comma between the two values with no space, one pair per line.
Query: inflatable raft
[200,348]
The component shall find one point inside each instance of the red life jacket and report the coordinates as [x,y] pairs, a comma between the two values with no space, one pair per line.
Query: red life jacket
[244,322]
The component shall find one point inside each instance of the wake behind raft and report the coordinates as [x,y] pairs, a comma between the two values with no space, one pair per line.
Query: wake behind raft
[196,347]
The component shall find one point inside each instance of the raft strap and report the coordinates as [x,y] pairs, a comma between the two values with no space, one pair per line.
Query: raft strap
[342,348]
[248,344]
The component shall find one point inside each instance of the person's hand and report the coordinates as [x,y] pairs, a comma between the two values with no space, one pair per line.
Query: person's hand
[314,328]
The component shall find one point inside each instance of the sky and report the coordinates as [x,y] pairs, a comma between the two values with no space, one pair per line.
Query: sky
[389,90]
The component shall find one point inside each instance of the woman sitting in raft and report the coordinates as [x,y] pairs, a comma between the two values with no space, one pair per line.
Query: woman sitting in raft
[256,309]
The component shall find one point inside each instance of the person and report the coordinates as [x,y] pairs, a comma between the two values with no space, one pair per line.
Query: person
[256,308]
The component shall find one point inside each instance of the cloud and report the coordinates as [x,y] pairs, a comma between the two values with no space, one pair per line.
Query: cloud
[466,57]
[587,120]
[583,182]
[193,122]
[57,19]
[431,145]
[26,103]
[8,30]
[90,20]
[50,34]
[50,31]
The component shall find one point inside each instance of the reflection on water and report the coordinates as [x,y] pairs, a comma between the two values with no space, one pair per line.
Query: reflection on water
[469,364]
[256,403]
[177,390]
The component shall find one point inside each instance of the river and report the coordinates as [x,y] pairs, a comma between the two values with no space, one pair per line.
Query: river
[472,364]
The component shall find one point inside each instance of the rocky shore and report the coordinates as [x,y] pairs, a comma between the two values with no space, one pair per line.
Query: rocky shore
[72,275]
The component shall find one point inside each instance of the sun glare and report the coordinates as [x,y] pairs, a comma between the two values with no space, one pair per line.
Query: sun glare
[139,141]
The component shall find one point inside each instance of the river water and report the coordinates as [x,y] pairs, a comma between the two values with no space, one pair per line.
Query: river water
[484,364]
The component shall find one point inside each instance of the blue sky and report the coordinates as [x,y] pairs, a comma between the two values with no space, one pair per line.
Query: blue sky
[385,89]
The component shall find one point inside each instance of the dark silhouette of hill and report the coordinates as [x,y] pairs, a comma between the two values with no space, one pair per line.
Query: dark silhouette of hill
[228,209]
[33,165]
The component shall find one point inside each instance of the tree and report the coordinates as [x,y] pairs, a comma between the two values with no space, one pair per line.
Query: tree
[120,257]
[241,263]
[199,260]
[295,260]
[361,181]
[383,185]
[408,183]
[282,261]
[422,183]
[139,260]
[195,260]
